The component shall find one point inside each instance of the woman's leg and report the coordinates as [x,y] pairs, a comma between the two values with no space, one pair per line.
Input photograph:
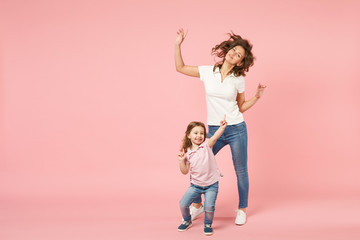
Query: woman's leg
[237,139]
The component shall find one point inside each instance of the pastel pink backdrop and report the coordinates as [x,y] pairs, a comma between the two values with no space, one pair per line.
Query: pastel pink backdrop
[93,112]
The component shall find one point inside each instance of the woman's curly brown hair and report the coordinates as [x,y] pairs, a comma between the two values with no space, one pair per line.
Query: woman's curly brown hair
[221,50]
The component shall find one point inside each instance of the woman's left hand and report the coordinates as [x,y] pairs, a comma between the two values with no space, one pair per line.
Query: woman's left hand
[260,91]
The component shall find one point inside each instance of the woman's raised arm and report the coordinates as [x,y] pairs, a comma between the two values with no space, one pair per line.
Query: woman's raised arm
[245,105]
[192,71]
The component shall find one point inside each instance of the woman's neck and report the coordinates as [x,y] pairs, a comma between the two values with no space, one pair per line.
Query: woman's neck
[226,69]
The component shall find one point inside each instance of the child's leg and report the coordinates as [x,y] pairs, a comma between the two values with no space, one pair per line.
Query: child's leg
[197,202]
[210,196]
[186,201]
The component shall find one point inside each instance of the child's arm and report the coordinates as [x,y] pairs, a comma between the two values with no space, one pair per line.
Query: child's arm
[184,167]
[218,133]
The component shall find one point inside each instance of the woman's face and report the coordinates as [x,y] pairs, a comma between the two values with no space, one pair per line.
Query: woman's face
[235,55]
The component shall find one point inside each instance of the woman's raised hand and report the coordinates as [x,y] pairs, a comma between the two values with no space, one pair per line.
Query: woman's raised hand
[260,91]
[181,34]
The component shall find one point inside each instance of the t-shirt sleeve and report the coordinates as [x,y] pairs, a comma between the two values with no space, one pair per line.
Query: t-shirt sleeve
[206,143]
[204,71]
[240,84]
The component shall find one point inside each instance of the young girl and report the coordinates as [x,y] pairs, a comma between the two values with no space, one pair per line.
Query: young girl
[197,158]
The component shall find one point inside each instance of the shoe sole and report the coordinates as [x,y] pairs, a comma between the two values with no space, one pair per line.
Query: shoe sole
[240,224]
[208,234]
[183,230]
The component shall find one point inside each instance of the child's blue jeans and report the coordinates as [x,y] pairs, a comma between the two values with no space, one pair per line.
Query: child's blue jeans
[194,191]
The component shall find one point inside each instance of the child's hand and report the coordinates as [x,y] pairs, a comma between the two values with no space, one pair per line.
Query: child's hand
[223,123]
[182,156]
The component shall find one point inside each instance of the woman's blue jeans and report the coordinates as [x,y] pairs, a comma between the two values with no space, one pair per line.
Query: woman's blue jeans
[236,137]
[195,191]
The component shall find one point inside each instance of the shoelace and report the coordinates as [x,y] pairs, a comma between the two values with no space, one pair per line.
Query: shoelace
[208,225]
[186,223]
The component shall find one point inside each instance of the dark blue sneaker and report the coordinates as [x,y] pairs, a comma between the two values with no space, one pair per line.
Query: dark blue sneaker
[184,226]
[208,229]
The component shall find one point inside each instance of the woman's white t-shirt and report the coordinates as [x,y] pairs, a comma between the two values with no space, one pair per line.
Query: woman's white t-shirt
[221,96]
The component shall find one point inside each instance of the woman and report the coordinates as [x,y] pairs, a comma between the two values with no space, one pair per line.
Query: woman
[225,95]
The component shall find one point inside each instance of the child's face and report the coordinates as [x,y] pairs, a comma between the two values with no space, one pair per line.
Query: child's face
[197,135]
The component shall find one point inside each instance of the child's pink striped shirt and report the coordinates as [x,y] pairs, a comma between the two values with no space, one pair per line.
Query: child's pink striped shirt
[203,167]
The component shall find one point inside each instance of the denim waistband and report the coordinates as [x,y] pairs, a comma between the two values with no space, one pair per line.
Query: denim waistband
[234,125]
[204,187]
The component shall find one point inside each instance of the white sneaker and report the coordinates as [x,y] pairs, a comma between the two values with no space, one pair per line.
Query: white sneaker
[195,212]
[240,217]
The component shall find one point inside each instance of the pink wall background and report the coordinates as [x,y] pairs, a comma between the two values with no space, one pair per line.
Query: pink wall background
[92,110]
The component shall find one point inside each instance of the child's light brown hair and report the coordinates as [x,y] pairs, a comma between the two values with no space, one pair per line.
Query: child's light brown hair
[186,143]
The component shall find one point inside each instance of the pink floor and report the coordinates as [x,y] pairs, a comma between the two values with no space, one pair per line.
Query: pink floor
[105,219]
